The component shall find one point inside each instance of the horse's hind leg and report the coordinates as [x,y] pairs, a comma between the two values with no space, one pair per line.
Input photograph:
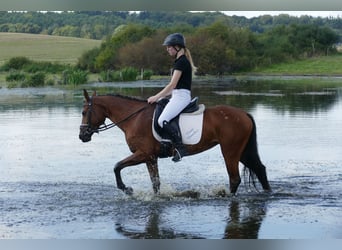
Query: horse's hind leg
[251,159]
[234,175]
[253,162]
[232,165]
[152,167]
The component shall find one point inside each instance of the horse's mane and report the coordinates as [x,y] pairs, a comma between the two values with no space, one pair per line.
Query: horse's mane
[127,97]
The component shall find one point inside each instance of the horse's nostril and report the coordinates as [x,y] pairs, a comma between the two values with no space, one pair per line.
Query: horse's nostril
[85,138]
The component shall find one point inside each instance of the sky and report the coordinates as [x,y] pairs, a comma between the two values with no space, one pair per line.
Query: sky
[250,14]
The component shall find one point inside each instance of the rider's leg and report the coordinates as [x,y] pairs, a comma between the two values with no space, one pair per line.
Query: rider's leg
[180,149]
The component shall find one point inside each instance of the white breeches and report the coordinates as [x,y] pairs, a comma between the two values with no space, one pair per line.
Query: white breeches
[179,100]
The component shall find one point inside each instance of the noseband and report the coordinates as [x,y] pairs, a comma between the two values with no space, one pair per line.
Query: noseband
[87,126]
[90,130]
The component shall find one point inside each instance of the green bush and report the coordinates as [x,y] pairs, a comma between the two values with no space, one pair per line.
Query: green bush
[74,77]
[87,60]
[46,67]
[129,74]
[27,65]
[35,80]
[15,77]
[12,85]
[18,79]
[126,74]
[108,76]
[147,74]
[16,63]
[49,82]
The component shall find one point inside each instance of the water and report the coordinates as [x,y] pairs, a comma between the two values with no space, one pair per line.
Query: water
[54,186]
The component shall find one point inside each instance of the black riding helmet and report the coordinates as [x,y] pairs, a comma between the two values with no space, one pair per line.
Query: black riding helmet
[175,39]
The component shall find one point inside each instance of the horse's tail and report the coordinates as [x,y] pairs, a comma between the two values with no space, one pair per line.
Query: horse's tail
[251,159]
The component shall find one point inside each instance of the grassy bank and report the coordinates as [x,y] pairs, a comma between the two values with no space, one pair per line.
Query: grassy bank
[67,50]
[44,47]
[318,66]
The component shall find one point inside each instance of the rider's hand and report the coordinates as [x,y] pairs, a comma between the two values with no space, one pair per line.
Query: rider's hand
[152,99]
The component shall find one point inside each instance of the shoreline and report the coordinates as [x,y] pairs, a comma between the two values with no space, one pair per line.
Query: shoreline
[228,79]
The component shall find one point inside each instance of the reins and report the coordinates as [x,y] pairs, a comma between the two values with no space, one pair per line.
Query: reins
[105,127]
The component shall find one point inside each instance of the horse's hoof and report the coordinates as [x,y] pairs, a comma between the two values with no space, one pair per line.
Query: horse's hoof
[268,191]
[128,191]
[221,193]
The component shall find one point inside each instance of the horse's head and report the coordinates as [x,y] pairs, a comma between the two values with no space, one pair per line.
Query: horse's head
[92,117]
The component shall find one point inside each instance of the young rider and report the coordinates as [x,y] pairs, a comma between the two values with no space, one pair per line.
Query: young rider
[179,88]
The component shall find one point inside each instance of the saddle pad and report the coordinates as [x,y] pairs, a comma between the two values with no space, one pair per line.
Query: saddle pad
[190,125]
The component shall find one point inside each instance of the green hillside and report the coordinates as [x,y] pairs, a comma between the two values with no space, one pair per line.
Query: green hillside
[44,47]
[325,65]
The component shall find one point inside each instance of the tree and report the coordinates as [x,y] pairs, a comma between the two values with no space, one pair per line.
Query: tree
[87,60]
[326,39]
[123,35]
[146,54]
[67,30]
[220,49]
[274,46]
[208,48]
[310,40]
[242,43]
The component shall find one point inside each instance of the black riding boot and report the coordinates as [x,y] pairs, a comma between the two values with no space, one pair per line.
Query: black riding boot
[176,139]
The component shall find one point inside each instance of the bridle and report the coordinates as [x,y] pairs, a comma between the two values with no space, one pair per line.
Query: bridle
[89,128]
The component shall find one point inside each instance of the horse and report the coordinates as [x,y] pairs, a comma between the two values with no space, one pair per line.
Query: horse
[230,127]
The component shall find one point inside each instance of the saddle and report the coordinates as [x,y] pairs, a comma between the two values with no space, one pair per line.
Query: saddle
[188,123]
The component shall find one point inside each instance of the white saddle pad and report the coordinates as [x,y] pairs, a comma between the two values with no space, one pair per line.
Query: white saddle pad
[190,124]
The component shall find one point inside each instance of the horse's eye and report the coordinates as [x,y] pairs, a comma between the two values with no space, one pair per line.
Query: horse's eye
[84,113]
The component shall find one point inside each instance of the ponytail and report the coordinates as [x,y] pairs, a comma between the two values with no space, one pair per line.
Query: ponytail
[188,56]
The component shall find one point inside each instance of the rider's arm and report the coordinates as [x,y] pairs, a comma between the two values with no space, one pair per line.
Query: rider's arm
[167,90]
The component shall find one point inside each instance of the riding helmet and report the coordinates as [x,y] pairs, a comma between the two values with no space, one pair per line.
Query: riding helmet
[175,39]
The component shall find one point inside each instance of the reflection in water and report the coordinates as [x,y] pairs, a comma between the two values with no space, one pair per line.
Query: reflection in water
[245,217]
[153,228]
[292,97]
[282,98]
[299,129]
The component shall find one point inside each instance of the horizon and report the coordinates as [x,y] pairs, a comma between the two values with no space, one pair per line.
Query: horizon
[252,14]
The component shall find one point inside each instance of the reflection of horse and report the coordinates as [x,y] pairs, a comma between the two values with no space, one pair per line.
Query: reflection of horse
[244,221]
[153,226]
[230,127]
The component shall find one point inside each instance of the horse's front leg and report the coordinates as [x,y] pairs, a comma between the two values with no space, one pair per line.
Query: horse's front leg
[133,159]
[152,167]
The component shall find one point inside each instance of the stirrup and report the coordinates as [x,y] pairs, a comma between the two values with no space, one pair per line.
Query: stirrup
[177,157]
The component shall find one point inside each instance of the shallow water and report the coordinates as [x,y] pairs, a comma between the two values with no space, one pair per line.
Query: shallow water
[54,186]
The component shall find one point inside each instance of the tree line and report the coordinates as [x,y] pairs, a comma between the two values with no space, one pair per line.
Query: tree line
[219,44]
[217,49]
[99,24]
[96,24]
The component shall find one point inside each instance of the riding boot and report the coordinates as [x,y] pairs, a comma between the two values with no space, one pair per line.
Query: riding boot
[180,149]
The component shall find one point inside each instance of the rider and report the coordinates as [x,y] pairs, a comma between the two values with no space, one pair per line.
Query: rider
[179,87]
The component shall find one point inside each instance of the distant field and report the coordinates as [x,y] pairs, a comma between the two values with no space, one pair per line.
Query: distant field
[44,47]
[325,65]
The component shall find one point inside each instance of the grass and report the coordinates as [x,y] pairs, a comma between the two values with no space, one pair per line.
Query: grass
[67,50]
[59,49]
[325,65]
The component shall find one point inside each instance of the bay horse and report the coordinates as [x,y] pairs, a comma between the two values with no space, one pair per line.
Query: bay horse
[232,128]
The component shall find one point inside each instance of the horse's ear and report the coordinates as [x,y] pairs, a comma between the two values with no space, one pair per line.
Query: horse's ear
[86,95]
[94,93]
